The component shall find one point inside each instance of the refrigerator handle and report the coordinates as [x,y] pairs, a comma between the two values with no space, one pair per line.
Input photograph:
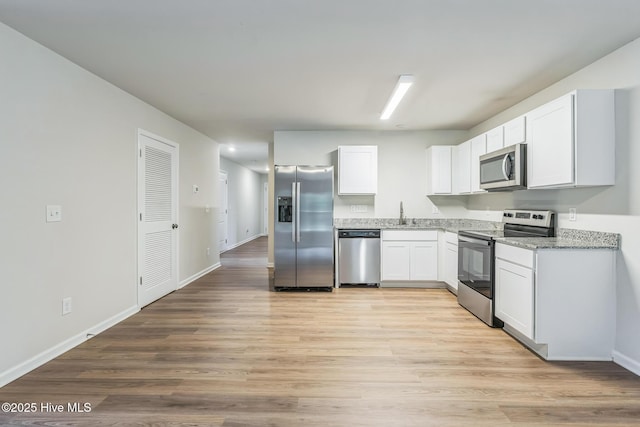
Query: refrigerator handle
[297,209]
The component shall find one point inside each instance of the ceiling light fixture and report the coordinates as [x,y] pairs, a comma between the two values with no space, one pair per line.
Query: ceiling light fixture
[232,148]
[404,83]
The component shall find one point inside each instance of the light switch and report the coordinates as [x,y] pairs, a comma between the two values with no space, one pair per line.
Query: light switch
[195,188]
[54,213]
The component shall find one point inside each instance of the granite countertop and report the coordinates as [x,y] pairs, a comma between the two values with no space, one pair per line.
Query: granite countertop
[446,224]
[566,238]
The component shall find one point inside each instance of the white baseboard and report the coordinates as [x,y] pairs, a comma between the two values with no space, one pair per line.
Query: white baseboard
[198,275]
[40,359]
[626,362]
[235,245]
[413,284]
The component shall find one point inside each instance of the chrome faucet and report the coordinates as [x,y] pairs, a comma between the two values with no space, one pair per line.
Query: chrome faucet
[403,220]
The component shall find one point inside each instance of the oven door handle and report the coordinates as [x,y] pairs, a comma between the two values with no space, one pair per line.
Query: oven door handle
[472,240]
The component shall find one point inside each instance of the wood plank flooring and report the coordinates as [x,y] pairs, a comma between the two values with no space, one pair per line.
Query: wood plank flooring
[226,351]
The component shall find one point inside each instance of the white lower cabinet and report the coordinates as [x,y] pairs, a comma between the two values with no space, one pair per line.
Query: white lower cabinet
[396,260]
[514,296]
[409,255]
[424,260]
[450,264]
[558,302]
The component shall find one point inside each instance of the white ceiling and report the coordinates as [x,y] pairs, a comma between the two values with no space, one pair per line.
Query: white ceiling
[237,70]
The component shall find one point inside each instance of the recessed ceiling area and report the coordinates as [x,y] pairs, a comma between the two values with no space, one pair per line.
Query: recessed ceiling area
[239,70]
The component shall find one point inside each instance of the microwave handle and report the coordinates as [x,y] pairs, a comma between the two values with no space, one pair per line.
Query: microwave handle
[505,171]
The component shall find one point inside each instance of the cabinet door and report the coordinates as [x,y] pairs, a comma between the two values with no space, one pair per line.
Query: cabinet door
[451,265]
[396,261]
[478,148]
[358,169]
[463,180]
[424,261]
[550,150]
[515,131]
[439,169]
[514,296]
[495,139]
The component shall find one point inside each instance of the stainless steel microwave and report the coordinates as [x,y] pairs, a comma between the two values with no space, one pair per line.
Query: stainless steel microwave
[504,169]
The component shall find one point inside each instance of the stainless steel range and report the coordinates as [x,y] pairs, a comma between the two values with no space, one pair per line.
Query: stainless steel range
[476,258]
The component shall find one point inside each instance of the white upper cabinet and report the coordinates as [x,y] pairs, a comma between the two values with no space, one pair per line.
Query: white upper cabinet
[571,141]
[512,132]
[495,139]
[463,168]
[439,162]
[478,148]
[515,131]
[358,169]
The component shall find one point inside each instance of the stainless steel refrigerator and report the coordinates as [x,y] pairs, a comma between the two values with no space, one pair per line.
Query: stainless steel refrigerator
[303,232]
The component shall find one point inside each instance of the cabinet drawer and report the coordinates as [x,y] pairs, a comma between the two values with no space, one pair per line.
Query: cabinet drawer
[520,256]
[409,235]
[450,237]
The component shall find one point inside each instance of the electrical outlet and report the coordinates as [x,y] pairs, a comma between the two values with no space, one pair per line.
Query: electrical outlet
[66,306]
[208,251]
[572,214]
[54,213]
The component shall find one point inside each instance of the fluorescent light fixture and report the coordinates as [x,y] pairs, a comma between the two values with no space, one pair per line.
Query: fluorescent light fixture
[404,83]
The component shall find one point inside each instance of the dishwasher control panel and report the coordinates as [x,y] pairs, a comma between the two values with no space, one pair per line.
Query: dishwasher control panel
[362,234]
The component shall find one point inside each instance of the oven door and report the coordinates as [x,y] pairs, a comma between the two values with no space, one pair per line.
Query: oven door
[476,265]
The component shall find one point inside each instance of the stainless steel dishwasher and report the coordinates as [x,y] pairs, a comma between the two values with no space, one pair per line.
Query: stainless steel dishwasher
[359,257]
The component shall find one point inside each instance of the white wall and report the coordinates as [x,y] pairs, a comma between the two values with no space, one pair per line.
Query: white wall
[244,203]
[401,166]
[69,138]
[613,209]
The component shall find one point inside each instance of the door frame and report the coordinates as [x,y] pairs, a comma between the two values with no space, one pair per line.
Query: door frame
[140,204]
[265,209]
[224,191]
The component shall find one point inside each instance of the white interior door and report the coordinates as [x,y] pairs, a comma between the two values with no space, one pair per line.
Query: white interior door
[157,217]
[223,182]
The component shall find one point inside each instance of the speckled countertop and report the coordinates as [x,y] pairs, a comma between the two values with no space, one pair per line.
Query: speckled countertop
[566,238]
[448,224]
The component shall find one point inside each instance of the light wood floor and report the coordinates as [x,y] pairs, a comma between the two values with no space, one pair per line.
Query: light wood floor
[225,351]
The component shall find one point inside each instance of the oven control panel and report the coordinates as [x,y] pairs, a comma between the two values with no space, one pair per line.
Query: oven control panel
[528,217]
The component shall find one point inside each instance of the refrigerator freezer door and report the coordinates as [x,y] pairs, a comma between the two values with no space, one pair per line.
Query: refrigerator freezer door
[284,231]
[315,247]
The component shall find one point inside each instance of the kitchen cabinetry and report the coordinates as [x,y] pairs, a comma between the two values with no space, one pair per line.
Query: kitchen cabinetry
[358,169]
[450,264]
[409,255]
[514,289]
[478,148]
[558,302]
[515,131]
[495,139]
[439,161]
[571,141]
[463,168]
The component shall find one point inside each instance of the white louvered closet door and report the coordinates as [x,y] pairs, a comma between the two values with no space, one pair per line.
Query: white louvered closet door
[158,225]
